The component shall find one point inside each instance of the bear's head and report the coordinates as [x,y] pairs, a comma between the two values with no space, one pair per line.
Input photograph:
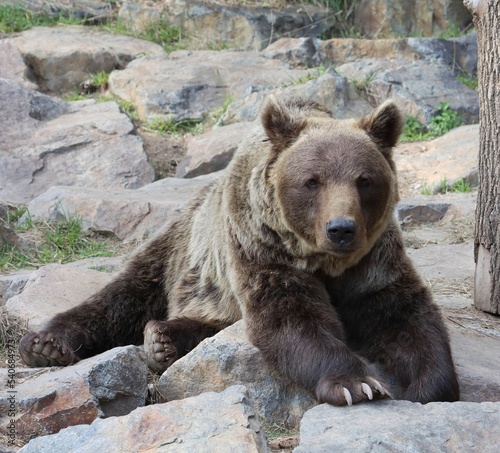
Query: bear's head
[334,180]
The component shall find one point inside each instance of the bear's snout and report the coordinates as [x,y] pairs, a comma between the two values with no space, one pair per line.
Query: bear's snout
[341,231]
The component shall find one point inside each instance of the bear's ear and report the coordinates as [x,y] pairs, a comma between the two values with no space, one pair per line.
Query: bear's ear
[384,125]
[280,124]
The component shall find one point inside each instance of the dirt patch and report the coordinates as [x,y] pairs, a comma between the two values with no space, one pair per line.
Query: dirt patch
[164,152]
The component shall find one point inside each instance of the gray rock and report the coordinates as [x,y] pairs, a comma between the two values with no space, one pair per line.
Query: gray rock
[53,289]
[459,54]
[248,27]
[296,51]
[131,215]
[94,11]
[12,284]
[211,151]
[47,142]
[390,426]
[12,65]
[444,160]
[108,385]
[386,17]
[475,353]
[330,89]
[189,84]
[62,57]
[418,86]
[212,423]
[229,358]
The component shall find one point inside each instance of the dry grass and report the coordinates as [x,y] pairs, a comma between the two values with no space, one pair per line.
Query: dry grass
[12,329]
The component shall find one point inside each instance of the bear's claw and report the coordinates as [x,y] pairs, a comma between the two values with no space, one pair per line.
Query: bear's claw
[350,392]
[45,349]
[160,351]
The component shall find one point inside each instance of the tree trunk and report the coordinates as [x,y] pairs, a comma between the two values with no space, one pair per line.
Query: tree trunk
[486,14]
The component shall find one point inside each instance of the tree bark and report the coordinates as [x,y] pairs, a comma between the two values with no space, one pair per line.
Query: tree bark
[487,234]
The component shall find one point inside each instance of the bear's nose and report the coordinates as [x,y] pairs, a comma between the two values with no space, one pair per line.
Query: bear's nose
[340,231]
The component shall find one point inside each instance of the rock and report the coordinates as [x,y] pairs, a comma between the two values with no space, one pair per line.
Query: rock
[296,51]
[211,151]
[414,213]
[212,423]
[444,160]
[459,54]
[53,289]
[330,89]
[401,426]
[229,358]
[433,263]
[418,86]
[131,215]
[385,17]
[189,84]
[12,65]
[94,11]
[48,142]
[248,27]
[108,385]
[12,284]
[475,353]
[62,57]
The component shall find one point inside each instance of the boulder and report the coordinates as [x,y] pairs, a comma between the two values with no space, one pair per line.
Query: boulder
[426,17]
[248,27]
[108,385]
[459,54]
[53,289]
[211,422]
[418,86]
[62,57]
[330,89]
[130,215]
[47,141]
[189,84]
[211,151]
[442,161]
[229,358]
[12,65]
[401,426]
[296,51]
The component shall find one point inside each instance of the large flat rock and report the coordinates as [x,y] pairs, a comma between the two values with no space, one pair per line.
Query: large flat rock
[61,57]
[401,426]
[47,142]
[188,84]
[210,423]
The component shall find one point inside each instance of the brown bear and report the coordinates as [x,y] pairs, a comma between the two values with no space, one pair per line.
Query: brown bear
[298,239]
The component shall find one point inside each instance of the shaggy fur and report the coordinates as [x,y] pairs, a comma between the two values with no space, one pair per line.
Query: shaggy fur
[297,238]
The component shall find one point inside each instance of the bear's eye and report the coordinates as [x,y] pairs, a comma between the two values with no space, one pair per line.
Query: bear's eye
[363,183]
[312,184]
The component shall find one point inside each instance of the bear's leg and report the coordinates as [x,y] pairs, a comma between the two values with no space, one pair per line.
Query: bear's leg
[167,341]
[289,317]
[403,334]
[114,316]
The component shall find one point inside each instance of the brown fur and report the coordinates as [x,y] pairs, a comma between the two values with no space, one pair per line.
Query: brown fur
[298,239]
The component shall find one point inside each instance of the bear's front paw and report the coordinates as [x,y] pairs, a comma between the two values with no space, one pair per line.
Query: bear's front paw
[45,349]
[160,351]
[341,392]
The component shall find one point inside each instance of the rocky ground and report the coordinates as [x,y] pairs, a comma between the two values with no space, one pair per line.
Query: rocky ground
[92,159]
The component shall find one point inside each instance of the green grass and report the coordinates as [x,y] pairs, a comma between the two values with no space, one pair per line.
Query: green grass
[170,126]
[16,18]
[469,81]
[426,189]
[56,242]
[313,74]
[443,121]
